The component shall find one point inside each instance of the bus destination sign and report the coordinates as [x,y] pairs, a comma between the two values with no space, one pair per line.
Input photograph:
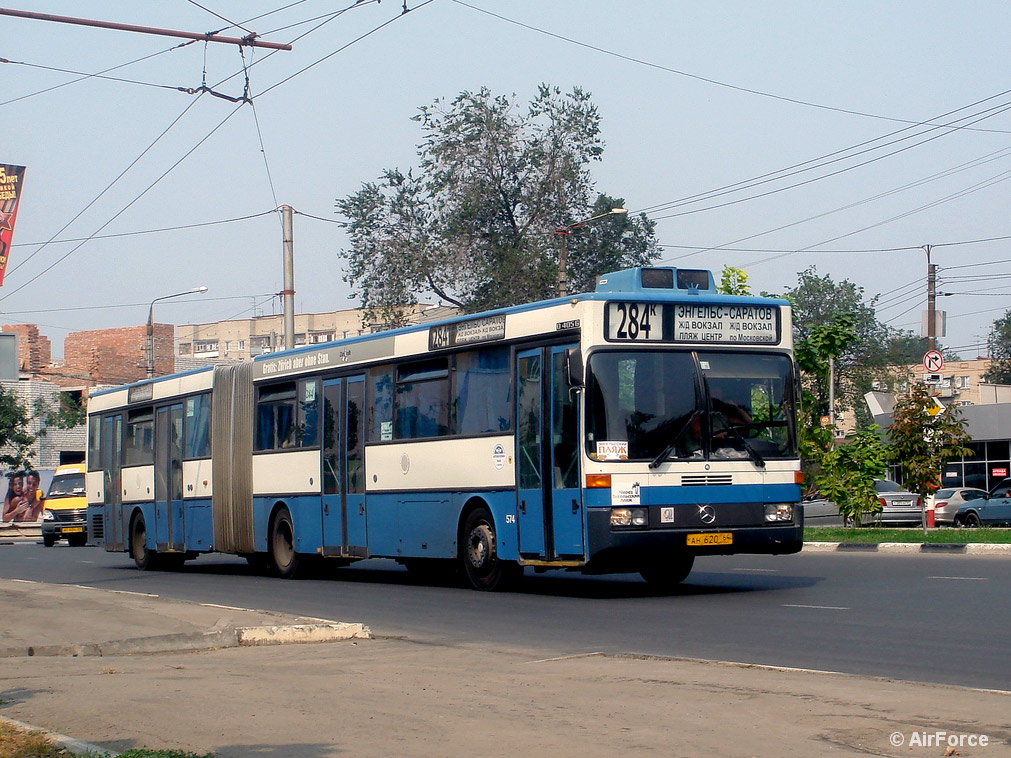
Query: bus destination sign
[487,329]
[712,323]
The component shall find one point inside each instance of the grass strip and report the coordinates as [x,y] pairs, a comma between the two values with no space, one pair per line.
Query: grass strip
[985,535]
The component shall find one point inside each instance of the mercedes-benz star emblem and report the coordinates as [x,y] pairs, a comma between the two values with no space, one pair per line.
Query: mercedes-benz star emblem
[707,514]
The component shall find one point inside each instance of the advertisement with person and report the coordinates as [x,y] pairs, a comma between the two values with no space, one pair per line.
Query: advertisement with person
[23,502]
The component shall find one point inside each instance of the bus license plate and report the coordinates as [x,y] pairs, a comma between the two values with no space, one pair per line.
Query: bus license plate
[711,538]
[69,529]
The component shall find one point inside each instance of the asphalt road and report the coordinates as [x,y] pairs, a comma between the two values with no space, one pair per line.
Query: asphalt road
[930,618]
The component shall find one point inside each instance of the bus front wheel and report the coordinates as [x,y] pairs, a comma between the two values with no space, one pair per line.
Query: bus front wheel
[479,554]
[282,545]
[666,574]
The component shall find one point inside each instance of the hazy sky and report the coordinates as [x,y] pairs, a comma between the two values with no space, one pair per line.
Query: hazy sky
[770,136]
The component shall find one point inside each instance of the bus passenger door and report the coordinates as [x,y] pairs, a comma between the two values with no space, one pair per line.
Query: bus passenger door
[550,500]
[168,478]
[343,467]
[566,494]
[533,510]
[112,482]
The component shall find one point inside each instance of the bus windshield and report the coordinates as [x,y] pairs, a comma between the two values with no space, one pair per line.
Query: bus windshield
[690,405]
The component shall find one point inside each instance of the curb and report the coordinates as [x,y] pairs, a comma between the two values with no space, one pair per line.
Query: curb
[77,747]
[946,548]
[193,642]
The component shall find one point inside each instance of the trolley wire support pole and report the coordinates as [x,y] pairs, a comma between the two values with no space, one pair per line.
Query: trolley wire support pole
[564,232]
[250,40]
[288,292]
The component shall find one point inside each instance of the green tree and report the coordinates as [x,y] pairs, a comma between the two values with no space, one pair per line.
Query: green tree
[819,301]
[847,471]
[475,223]
[999,345]
[734,281]
[922,443]
[15,440]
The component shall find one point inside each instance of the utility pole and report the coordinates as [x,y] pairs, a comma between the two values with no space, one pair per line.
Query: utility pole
[931,302]
[288,292]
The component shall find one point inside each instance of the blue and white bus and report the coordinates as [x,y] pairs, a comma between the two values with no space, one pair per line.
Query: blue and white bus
[628,429]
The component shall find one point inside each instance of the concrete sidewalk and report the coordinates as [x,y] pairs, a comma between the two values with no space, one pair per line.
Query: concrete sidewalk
[395,697]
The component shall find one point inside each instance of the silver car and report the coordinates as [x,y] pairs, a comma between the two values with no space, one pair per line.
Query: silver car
[947,502]
[898,506]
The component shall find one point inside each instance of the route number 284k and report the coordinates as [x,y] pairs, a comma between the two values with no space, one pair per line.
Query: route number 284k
[635,321]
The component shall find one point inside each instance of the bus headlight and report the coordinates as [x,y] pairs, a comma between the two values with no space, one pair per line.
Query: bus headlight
[48,515]
[629,517]
[779,512]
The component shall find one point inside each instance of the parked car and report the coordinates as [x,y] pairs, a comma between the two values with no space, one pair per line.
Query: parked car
[947,502]
[821,512]
[992,510]
[898,506]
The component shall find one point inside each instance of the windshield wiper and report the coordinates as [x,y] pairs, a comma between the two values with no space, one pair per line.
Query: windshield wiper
[758,459]
[677,438]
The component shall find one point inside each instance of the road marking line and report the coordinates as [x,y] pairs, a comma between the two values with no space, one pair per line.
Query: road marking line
[224,607]
[962,578]
[820,607]
[569,657]
[128,592]
[762,571]
[24,581]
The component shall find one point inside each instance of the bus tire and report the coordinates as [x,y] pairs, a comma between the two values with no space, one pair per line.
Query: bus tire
[665,575]
[144,558]
[282,545]
[482,567]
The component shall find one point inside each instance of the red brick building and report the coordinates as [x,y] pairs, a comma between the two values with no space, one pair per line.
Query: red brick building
[116,356]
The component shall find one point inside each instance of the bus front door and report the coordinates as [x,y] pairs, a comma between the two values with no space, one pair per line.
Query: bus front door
[343,478]
[550,510]
[168,478]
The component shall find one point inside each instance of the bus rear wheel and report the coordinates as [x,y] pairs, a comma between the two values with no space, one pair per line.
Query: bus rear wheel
[144,558]
[665,575]
[482,566]
[282,545]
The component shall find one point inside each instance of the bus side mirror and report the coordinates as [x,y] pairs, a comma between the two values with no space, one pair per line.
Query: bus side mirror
[574,367]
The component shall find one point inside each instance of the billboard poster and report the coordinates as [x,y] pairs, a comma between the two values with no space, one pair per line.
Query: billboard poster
[23,502]
[12,179]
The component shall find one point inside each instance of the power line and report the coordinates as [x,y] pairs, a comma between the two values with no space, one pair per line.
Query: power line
[127,206]
[687,74]
[146,231]
[100,194]
[84,76]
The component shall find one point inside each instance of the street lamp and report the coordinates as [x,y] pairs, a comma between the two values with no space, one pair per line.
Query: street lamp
[565,231]
[150,324]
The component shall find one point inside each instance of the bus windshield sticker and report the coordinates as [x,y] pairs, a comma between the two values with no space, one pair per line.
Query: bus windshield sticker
[625,490]
[713,323]
[612,451]
[487,329]
[386,431]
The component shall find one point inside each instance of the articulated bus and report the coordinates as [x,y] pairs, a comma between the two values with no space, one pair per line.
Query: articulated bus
[629,429]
